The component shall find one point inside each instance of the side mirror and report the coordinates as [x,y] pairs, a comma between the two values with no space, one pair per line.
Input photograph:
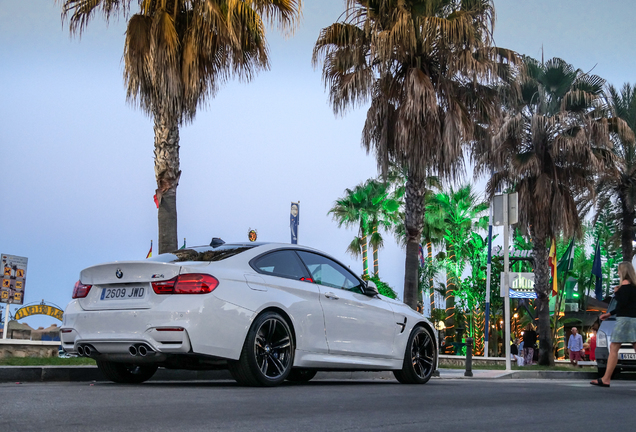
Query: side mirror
[371,290]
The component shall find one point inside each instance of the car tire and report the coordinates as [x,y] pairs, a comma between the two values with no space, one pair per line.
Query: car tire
[419,358]
[301,375]
[125,373]
[268,353]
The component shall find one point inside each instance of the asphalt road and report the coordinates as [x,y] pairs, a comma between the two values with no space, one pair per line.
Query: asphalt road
[378,405]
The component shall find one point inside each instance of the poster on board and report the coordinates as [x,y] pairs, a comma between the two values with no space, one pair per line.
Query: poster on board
[14,270]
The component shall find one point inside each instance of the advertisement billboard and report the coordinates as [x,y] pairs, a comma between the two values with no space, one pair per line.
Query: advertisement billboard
[14,270]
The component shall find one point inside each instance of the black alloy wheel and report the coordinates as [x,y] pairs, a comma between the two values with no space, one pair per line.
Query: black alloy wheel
[419,358]
[268,353]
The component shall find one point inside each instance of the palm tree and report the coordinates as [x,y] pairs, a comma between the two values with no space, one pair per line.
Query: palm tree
[177,54]
[352,210]
[384,213]
[369,206]
[617,184]
[553,141]
[423,65]
[462,212]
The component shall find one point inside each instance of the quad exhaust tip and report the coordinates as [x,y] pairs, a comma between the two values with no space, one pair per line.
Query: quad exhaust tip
[141,350]
[86,350]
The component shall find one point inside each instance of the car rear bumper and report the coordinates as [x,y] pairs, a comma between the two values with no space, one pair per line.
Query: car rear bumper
[176,327]
[603,353]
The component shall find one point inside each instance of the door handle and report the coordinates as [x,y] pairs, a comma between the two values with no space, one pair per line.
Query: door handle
[331,296]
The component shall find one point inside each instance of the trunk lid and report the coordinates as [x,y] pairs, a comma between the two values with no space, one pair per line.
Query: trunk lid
[125,284]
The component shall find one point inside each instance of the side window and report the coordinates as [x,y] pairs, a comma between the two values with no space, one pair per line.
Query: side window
[329,273]
[282,263]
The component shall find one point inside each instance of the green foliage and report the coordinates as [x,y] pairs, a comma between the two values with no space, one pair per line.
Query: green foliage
[607,229]
[46,361]
[383,287]
[438,315]
[369,206]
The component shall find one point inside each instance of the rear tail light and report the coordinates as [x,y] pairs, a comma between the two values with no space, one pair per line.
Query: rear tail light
[80,290]
[186,284]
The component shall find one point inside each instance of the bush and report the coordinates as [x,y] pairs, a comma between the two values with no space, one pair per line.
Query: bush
[383,288]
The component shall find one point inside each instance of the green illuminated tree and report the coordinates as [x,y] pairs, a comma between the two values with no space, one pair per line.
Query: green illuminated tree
[462,212]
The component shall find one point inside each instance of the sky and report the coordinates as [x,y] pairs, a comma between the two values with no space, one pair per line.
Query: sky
[77,160]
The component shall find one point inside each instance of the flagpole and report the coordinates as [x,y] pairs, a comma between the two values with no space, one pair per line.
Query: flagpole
[488,271]
[6,320]
[506,282]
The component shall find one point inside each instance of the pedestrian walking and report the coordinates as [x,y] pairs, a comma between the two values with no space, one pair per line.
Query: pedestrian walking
[575,346]
[625,330]
[529,339]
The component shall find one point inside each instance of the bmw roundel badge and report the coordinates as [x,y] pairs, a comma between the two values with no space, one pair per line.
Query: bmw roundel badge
[119,274]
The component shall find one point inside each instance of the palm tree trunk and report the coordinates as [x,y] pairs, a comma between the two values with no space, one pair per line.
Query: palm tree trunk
[543,289]
[627,235]
[450,296]
[429,250]
[413,219]
[376,266]
[365,258]
[167,174]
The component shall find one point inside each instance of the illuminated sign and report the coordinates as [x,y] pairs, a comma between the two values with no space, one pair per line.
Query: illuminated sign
[521,285]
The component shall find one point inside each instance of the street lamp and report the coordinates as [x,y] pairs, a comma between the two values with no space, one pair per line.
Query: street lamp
[440,326]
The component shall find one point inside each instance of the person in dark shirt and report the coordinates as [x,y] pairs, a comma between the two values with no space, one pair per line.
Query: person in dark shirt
[529,339]
[625,330]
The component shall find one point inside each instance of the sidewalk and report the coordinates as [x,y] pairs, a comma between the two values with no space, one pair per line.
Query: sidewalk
[91,373]
[517,374]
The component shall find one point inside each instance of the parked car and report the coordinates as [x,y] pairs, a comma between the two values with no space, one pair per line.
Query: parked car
[266,312]
[626,354]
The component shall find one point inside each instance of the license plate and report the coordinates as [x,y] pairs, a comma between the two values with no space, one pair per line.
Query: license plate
[122,293]
[628,356]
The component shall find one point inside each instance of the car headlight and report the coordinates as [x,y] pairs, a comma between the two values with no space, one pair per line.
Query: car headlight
[601,339]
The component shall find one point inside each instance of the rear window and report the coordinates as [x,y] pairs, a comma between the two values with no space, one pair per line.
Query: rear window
[284,263]
[205,253]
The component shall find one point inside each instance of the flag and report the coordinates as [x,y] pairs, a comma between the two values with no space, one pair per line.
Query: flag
[154,197]
[294,221]
[421,255]
[597,271]
[150,251]
[553,267]
[184,244]
[567,260]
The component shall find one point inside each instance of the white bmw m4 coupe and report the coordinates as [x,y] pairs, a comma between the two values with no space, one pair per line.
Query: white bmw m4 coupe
[267,312]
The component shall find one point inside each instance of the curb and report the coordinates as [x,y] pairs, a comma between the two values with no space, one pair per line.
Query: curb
[551,375]
[92,373]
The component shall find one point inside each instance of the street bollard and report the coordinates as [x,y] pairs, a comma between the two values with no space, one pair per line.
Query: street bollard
[469,357]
